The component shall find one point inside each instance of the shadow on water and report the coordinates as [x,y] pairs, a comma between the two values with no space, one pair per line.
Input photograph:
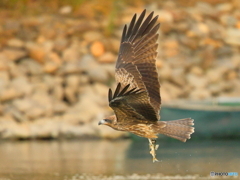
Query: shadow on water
[61,159]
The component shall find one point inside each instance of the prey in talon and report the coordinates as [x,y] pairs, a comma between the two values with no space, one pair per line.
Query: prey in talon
[153,147]
[136,100]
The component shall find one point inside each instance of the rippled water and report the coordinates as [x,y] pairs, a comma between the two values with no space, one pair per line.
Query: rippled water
[43,160]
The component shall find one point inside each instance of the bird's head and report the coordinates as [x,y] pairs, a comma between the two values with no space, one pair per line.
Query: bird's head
[108,121]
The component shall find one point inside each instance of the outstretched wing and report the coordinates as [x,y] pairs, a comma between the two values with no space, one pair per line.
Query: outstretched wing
[131,105]
[136,59]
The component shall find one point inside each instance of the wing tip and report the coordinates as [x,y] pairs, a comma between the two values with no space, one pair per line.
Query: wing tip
[123,92]
[110,95]
[139,26]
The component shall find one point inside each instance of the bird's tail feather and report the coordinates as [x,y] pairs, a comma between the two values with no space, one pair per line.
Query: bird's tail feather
[180,129]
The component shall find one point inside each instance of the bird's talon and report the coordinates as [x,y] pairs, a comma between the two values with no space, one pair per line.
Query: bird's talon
[153,147]
[155,160]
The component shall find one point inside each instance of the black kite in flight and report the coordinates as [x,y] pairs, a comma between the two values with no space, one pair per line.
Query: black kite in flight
[136,101]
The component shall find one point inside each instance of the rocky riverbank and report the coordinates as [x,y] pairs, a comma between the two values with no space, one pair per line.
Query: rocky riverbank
[55,69]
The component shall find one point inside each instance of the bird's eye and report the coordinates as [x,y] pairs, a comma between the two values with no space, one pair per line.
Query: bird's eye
[107,120]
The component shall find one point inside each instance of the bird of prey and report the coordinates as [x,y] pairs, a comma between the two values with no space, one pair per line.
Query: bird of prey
[136,101]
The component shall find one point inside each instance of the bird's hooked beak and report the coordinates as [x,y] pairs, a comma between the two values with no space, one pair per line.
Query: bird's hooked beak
[102,122]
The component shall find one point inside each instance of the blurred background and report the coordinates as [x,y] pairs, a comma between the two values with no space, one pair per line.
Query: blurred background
[57,60]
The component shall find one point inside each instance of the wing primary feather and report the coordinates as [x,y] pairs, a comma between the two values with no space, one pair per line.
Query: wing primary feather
[145,24]
[154,46]
[130,91]
[130,28]
[138,90]
[138,23]
[124,33]
[155,28]
[141,43]
[151,24]
[117,90]
[137,56]
[124,90]
[151,34]
[109,95]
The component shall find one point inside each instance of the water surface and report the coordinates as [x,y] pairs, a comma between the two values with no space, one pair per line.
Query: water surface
[43,160]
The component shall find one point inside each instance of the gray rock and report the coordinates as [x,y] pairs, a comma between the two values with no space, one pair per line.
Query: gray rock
[15,113]
[50,80]
[110,70]
[218,31]
[228,20]
[72,117]
[14,70]
[35,112]
[215,89]
[72,130]
[12,25]
[51,66]
[58,92]
[196,81]
[84,79]
[1,109]
[65,10]
[216,74]
[24,104]
[45,128]
[59,107]
[224,7]
[9,93]
[173,91]
[10,129]
[14,54]
[107,57]
[31,67]
[206,9]
[70,67]
[4,62]
[178,77]
[233,36]
[60,44]
[71,54]
[196,70]
[199,93]
[87,62]
[93,69]
[114,44]
[165,72]
[73,81]
[164,16]
[70,94]
[98,74]
[43,105]
[4,79]
[100,89]
[16,43]
[22,84]
[39,87]
[90,36]
[81,112]
[235,60]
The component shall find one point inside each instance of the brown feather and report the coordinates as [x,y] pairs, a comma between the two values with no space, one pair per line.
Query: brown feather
[136,60]
[134,104]
[136,101]
[179,129]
